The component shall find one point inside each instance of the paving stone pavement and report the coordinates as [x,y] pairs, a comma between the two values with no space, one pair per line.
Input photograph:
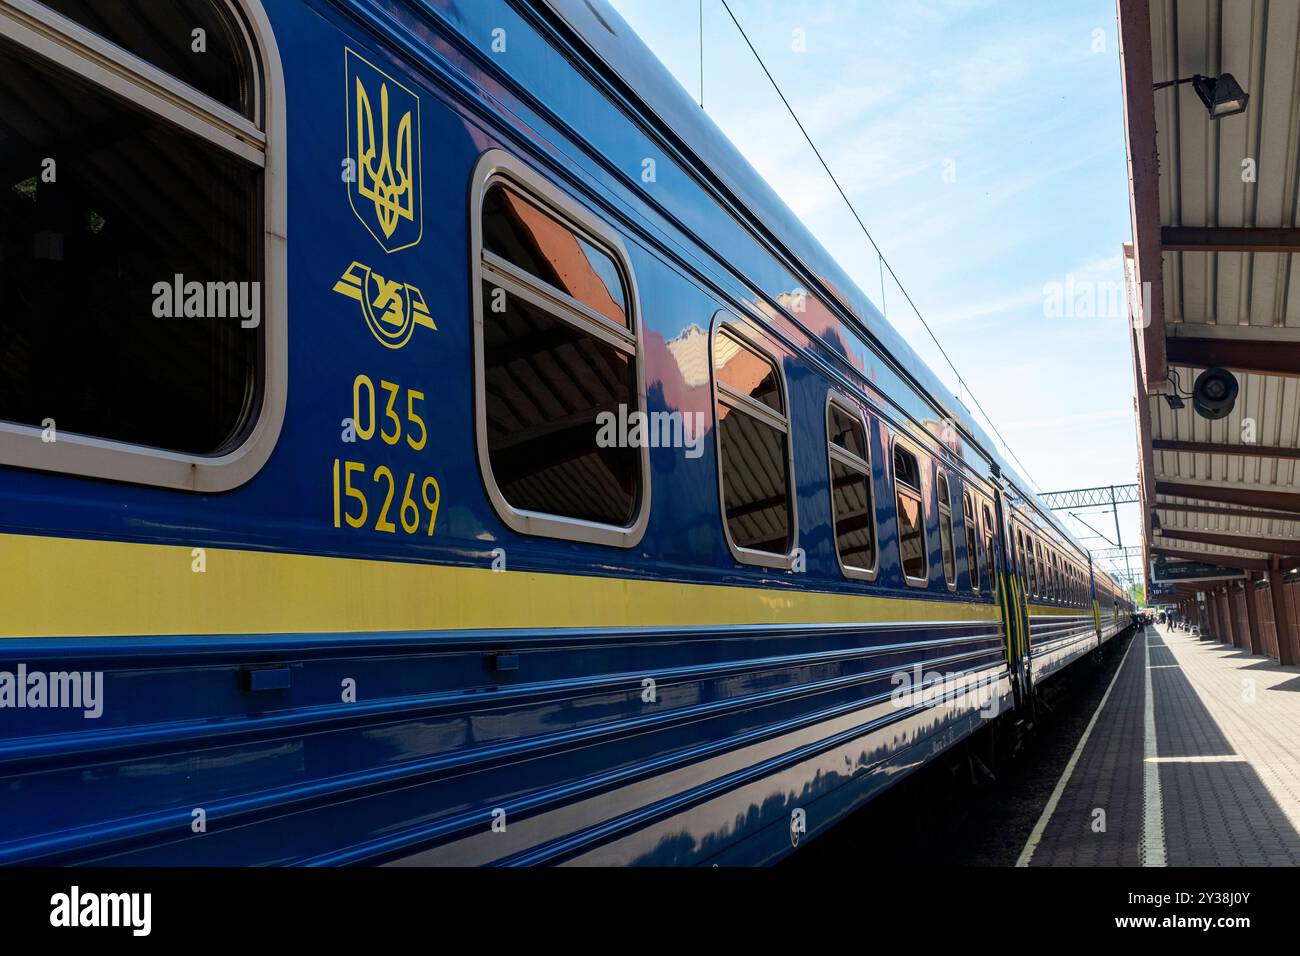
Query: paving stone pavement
[1228,740]
[1227,744]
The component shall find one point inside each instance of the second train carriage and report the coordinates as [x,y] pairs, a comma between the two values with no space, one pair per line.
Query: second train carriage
[372,568]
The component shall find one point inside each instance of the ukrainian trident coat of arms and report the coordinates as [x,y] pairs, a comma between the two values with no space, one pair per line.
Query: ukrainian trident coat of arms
[383,154]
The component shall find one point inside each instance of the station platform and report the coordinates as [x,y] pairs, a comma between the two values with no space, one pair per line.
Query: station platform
[1192,759]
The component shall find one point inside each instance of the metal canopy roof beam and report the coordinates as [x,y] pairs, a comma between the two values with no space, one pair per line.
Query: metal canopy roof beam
[1245,333]
[1228,239]
[1223,560]
[1231,512]
[1232,495]
[1144,182]
[1289,547]
[1267,358]
[1214,448]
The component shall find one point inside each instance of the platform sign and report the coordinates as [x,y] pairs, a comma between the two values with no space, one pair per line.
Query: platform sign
[1161,591]
[1165,571]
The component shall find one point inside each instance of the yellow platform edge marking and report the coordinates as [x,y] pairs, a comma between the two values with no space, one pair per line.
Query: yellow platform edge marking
[57,587]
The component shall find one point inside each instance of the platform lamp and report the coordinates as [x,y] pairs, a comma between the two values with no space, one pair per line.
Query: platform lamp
[1222,94]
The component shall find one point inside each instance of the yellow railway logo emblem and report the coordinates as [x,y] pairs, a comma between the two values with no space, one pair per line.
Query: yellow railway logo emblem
[392,309]
[383,154]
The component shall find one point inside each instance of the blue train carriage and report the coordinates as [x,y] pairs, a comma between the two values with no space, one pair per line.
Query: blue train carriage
[1052,587]
[424,439]
[1117,610]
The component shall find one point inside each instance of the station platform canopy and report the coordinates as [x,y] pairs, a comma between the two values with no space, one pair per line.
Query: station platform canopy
[1212,123]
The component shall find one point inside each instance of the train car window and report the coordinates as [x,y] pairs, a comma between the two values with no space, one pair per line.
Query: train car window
[754,448]
[163,35]
[972,551]
[911,517]
[945,531]
[1026,562]
[1025,566]
[143,257]
[1040,578]
[853,509]
[557,350]
[1020,553]
[991,561]
[1055,580]
[517,231]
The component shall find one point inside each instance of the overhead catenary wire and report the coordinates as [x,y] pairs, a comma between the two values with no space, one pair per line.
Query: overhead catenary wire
[884,263]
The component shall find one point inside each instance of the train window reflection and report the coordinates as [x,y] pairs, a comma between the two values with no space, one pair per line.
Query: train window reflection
[846,432]
[991,559]
[135,203]
[747,373]
[523,235]
[753,440]
[545,383]
[1031,563]
[911,516]
[972,536]
[945,532]
[853,510]
[197,41]
[1020,555]
[556,339]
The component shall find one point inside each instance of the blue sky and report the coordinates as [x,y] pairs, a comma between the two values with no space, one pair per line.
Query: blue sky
[982,142]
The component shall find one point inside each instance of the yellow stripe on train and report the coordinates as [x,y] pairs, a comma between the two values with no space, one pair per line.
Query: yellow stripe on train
[58,587]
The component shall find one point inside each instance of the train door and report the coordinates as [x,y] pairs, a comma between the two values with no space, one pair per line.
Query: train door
[1010,594]
[1092,596]
[1021,587]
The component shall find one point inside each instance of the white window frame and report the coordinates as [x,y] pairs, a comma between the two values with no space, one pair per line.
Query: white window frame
[969,512]
[945,511]
[909,580]
[722,322]
[989,543]
[495,167]
[261,143]
[842,456]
